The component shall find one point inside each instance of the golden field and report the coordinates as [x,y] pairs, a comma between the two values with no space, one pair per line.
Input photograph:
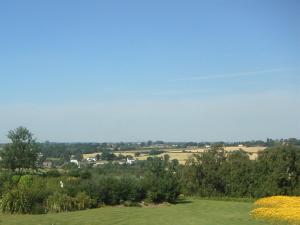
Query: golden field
[278,209]
[183,154]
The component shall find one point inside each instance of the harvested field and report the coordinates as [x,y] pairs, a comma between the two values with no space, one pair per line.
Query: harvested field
[182,154]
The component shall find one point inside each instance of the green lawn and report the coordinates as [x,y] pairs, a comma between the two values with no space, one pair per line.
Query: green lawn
[197,212]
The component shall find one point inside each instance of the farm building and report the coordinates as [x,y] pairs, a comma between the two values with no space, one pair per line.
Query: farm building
[47,164]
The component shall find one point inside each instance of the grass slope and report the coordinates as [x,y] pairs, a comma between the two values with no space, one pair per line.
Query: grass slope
[197,212]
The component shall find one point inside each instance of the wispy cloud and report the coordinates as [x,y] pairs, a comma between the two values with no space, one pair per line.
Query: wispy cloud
[182,92]
[235,75]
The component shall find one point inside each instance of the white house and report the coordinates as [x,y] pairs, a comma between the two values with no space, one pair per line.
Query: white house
[130,161]
[91,159]
[74,161]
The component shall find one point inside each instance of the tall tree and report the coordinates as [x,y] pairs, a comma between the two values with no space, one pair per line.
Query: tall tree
[22,152]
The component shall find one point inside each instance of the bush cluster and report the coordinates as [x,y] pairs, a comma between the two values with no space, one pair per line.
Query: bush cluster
[79,189]
[217,173]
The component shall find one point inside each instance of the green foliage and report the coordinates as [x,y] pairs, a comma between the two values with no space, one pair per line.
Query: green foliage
[107,155]
[85,174]
[214,173]
[22,152]
[17,200]
[74,172]
[53,173]
[155,152]
[5,181]
[160,181]
[26,181]
[98,157]
[113,190]
[70,166]
[278,171]
[108,190]
[130,189]
[238,174]
[202,174]
[15,179]
[59,202]
[82,201]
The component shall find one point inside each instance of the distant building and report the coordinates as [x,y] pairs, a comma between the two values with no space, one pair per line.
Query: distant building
[91,159]
[75,161]
[130,161]
[47,164]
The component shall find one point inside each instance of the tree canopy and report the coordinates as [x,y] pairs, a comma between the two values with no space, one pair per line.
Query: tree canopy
[22,152]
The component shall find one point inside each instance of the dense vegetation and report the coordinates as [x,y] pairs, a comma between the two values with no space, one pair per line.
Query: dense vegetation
[214,173]
[86,188]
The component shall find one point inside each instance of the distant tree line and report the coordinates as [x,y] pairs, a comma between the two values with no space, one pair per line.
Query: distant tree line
[64,151]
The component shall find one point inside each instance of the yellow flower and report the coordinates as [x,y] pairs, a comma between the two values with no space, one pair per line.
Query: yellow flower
[278,208]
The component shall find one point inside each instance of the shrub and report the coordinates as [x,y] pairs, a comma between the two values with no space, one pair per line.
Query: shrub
[91,187]
[53,173]
[26,181]
[130,189]
[155,152]
[5,181]
[108,190]
[59,202]
[82,201]
[160,181]
[74,173]
[70,166]
[85,174]
[17,201]
[15,179]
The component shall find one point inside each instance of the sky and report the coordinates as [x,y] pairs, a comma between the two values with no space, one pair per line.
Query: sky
[108,71]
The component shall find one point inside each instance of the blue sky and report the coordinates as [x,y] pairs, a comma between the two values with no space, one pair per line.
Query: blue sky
[138,70]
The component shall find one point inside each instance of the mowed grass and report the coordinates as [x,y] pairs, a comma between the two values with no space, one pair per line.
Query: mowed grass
[196,212]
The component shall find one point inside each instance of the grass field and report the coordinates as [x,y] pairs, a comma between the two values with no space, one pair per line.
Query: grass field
[195,212]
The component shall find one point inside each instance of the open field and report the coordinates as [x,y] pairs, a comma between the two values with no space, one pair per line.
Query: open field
[196,212]
[183,154]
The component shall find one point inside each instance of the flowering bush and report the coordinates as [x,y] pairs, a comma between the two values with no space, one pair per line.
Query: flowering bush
[278,208]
